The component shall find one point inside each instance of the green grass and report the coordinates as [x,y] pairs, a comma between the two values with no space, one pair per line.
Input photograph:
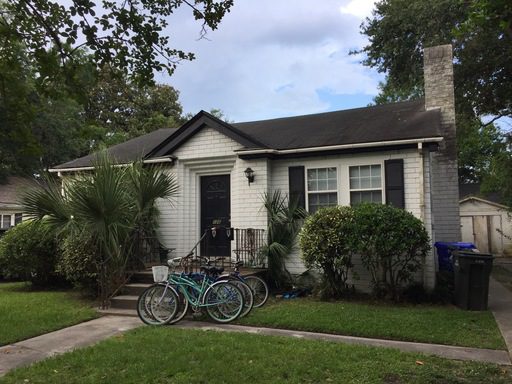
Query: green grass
[503,275]
[25,313]
[170,355]
[423,323]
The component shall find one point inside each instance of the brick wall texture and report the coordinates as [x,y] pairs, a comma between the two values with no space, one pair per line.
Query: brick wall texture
[439,93]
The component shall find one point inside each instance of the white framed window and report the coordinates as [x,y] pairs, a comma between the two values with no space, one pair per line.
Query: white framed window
[365,183]
[322,188]
[5,222]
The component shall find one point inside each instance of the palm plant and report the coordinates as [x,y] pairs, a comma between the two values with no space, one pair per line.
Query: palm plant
[284,222]
[109,206]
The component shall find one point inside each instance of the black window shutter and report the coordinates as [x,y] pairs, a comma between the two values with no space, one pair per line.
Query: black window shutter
[395,194]
[297,186]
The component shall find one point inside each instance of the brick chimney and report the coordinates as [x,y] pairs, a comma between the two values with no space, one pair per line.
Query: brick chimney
[439,93]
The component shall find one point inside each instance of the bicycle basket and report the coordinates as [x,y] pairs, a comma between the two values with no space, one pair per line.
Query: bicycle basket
[160,273]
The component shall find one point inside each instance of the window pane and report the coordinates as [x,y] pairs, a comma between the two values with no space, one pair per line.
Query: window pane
[375,170]
[311,174]
[322,185]
[365,182]
[6,221]
[354,172]
[18,217]
[332,185]
[322,173]
[376,182]
[376,197]
[364,171]
[354,183]
[332,173]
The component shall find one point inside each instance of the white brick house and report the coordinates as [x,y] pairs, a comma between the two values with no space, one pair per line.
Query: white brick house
[401,153]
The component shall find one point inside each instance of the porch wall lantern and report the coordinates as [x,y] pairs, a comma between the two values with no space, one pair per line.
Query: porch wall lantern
[249,173]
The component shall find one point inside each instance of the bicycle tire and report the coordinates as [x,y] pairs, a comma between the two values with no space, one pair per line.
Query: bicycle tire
[164,303]
[259,289]
[247,294]
[144,308]
[224,302]
[182,309]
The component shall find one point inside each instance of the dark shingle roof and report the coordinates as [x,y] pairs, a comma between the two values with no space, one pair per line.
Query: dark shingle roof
[398,121]
[126,152]
[390,122]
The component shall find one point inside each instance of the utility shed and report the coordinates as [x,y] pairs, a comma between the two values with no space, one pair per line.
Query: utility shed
[485,221]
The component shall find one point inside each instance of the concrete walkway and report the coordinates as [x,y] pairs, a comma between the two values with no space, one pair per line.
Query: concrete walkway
[500,303]
[84,334]
[54,343]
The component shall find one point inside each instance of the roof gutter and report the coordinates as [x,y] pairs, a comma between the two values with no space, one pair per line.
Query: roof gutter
[339,147]
[154,160]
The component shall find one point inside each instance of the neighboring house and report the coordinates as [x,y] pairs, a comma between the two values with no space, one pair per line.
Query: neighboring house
[402,154]
[484,221]
[10,208]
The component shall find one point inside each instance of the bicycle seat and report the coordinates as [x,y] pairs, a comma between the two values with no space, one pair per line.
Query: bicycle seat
[211,270]
[238,263]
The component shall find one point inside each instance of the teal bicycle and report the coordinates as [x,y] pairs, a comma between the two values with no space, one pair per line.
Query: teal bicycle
[168,302]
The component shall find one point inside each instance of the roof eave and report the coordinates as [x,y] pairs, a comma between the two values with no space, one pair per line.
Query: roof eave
[390,143]
[154,160]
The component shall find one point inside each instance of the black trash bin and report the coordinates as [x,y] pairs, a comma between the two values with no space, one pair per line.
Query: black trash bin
[472,272]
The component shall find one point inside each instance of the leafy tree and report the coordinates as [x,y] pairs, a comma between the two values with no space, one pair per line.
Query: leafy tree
[121,109]
[129,35]
[478,30]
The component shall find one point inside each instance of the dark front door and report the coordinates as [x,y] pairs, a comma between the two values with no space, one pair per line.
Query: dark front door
[215,213]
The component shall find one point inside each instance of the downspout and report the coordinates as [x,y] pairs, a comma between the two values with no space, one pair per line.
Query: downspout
[422,182]
[422,200]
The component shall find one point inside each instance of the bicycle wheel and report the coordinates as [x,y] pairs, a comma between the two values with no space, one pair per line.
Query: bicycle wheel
[183,308]
[259,289]
[164,304]
[247,294]
[223,301]
[144,307]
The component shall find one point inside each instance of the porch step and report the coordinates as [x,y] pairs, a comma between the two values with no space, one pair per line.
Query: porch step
[135,289]
[144,277]
[124,302]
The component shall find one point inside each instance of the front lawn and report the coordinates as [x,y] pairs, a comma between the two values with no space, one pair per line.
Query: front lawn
[422,323]
[25,313]
[170,355]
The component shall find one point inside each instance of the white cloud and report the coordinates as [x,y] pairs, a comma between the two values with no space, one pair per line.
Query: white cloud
[359,8]
[270,59]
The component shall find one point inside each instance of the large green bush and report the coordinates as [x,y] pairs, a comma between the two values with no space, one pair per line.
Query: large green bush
[78,263]
[327,245]
[392,244]
[28,252]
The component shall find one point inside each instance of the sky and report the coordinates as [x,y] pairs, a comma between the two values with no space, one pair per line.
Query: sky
[274,58]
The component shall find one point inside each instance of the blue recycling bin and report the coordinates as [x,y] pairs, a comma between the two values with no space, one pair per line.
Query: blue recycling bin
[444,253]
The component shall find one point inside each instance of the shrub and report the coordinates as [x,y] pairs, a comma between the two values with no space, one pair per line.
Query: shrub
[325,245]
[78,263]
[28,252]
[392,244]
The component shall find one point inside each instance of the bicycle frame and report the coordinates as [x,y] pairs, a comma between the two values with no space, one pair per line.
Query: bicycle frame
[183,281]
